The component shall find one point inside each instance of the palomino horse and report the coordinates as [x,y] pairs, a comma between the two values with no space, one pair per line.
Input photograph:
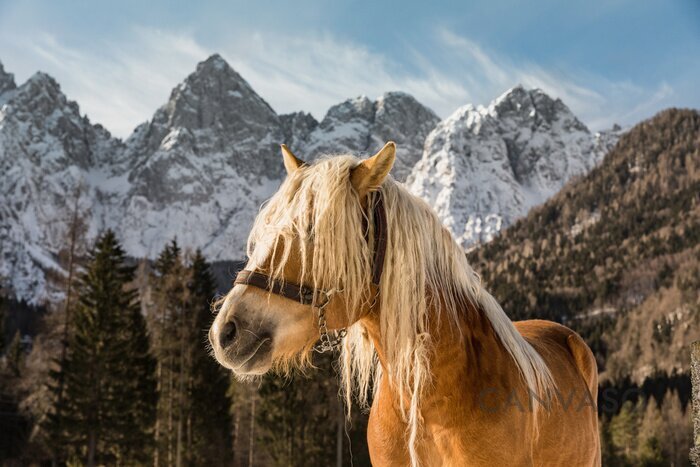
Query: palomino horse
[342,251]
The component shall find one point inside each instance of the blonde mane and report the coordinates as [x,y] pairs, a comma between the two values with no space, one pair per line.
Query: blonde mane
[319,206]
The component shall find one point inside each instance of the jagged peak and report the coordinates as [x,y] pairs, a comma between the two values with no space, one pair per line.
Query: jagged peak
[518,96]
[217,60]
[395,95]
[517,91]
[402,100]
[213,76]
[7,80]
[42,93]
[359,100]
[212,93]
[299,115]
[532,104]
[43,80]
[360,105]
[214,64]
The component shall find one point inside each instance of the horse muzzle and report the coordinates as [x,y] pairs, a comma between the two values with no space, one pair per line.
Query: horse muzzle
[245,349]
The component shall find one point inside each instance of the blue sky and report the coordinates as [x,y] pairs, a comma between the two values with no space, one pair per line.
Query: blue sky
[610,61]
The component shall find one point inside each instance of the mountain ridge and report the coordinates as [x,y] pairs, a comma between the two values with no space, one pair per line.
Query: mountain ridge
[198,170]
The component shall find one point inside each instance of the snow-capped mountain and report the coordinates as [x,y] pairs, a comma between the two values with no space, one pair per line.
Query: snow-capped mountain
[484,167]
[201,167]
[198,170]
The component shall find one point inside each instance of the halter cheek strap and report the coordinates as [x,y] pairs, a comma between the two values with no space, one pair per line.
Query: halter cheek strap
[307,296]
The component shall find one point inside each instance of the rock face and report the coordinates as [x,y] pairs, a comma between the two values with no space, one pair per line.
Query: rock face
[363,126]
[200,169]
[7,81]
[51,161]
[484,167]
[297,128]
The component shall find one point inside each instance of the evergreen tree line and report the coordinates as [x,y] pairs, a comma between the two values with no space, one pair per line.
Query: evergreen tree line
[120,374]
[648,433]
[130,380]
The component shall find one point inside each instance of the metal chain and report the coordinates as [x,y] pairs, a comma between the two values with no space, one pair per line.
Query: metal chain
[327,343]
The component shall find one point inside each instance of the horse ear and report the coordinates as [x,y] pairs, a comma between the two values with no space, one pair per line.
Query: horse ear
[370,173]
[291,162]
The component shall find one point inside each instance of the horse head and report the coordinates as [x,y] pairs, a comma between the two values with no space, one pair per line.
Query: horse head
[310,269]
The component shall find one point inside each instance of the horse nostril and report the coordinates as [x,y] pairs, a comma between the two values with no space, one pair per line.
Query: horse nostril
[227,334]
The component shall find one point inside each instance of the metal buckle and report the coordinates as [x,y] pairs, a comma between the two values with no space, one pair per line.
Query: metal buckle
[308,297]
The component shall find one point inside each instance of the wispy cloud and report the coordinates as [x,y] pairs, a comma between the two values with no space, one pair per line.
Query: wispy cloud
[125,82]
[313,72]
[598,101]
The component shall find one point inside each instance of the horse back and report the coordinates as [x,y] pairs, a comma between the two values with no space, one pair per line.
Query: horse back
[574,370]
[550,339]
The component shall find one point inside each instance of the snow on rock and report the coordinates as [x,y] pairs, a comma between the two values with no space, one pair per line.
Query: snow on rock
[484,167]
[49,154]
[363,126]
[297,128]
[200,169]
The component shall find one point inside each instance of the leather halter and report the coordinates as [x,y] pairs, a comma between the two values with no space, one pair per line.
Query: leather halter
[305,295]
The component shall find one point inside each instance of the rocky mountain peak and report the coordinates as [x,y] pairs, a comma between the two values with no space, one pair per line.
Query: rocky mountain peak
[41,96]
[213,111]
[214,62]
[297,127]
[214,95]
[484,167]
[361,125]
[533,105]
[214,76]
[359,108]
[7,80]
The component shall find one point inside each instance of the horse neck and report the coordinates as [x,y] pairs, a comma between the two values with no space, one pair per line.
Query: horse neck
[467,357]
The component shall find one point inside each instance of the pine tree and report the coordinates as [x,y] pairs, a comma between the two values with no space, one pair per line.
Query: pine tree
[15,356]
[623,432]
[651,452]
[210,419]
[193,423]
[106,412]
[171,327]
[676,439]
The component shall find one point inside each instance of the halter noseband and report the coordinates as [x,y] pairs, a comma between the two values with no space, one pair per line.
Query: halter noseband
[307,296]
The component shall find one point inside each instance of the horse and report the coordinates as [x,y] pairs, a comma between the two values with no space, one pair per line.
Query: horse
[345,254]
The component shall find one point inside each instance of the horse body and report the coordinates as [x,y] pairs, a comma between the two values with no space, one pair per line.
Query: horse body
[455,381]
[478,412]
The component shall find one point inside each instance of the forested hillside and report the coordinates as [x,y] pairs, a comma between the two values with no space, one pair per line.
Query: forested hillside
[616,256]
[619,242]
